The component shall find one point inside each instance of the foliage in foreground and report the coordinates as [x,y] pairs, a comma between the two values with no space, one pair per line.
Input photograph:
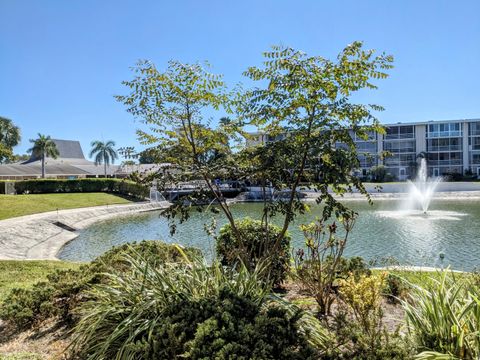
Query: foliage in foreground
[319,268]
[195,312]
[64,290]
[24,274]
[259,243]
[444,318]
[310,97]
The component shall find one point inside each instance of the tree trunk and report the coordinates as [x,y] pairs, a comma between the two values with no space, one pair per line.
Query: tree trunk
[105,167]
[43,166]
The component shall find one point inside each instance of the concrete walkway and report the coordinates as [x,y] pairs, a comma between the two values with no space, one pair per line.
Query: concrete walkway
[41,236]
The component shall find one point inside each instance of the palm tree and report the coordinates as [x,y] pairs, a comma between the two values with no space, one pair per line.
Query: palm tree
[104,152]
[43,147]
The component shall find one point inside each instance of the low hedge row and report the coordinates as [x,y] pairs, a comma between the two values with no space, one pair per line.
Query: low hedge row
[43,186]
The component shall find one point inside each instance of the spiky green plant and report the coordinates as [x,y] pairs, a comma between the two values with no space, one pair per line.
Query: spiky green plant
[444,318]
[127,316]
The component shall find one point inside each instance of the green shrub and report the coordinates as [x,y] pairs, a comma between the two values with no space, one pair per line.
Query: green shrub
[64,290]
[354,344]
[259,246]
[320,265]
[198,311]
[395,288]
[354,266]
[42,186]
[444,318]
[234,328]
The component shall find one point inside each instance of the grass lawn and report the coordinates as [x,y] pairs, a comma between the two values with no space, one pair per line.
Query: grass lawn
[18,205]
[24,273]
[423,278]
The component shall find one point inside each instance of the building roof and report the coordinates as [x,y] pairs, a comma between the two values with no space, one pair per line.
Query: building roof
[254,133]
[35,169]
[70,162]
[67,149]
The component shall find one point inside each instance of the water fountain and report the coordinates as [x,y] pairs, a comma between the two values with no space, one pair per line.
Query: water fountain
[155,195]
[422,189]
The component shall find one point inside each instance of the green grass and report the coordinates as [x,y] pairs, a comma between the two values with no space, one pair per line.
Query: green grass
[24,273]
[422,278]
[19,205]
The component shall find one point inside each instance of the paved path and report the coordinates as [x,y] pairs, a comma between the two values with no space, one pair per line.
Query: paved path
[38,237]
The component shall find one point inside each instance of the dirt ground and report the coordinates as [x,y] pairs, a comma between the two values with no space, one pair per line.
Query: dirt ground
[393,314]
[49,341]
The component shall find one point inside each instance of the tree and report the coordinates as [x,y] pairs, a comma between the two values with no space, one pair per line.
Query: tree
[9,137]
[104,153]
[43,146]
[309,95]
[173,104]
[20,157]
[378,173]
[149,156]
[128,152]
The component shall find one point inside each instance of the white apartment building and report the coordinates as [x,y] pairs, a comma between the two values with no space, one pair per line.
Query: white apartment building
[449,146]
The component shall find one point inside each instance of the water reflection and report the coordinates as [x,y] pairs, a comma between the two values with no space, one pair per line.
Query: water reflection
[450,227]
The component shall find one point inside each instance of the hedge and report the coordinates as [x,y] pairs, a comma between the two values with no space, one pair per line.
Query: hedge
[44,186]
[259,247]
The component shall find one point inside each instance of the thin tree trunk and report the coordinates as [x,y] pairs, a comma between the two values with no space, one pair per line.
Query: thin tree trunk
[43,166]
[105,167]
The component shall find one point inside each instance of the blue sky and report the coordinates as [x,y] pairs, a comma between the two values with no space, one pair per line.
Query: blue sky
[61,61]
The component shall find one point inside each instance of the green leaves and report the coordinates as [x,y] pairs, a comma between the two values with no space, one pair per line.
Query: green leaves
[444,317]
[301,102]
[308,97]
[9,137]
[42,147]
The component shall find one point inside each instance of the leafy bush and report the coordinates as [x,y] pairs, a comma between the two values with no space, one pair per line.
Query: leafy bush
[354,344]
[64,289]
[378,173]
[395,288]
[319,268]
[118,186]
[196,311]
[259,246]
[444,318]
[354,266]
[363,297]
[358,323]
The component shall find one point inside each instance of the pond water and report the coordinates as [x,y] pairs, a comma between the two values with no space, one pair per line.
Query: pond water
[451,228]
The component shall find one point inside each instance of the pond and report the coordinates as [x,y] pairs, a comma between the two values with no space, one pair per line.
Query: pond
[450,229]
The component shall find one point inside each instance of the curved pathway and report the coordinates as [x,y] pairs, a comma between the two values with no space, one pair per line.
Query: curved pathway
[41,236]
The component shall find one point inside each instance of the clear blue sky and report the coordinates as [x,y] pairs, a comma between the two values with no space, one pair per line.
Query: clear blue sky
[61,62]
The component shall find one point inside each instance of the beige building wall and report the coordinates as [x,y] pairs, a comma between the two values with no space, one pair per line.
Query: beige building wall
[420,138]
[465,147]
[379,148]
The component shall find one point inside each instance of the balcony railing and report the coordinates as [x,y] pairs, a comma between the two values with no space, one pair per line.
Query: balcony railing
[445,162]
[445,148]
[443,134]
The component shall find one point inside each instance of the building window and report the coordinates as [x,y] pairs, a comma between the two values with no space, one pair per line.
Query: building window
[474,129]
[442,144]
[400,132]
[399,146]
[444,130]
